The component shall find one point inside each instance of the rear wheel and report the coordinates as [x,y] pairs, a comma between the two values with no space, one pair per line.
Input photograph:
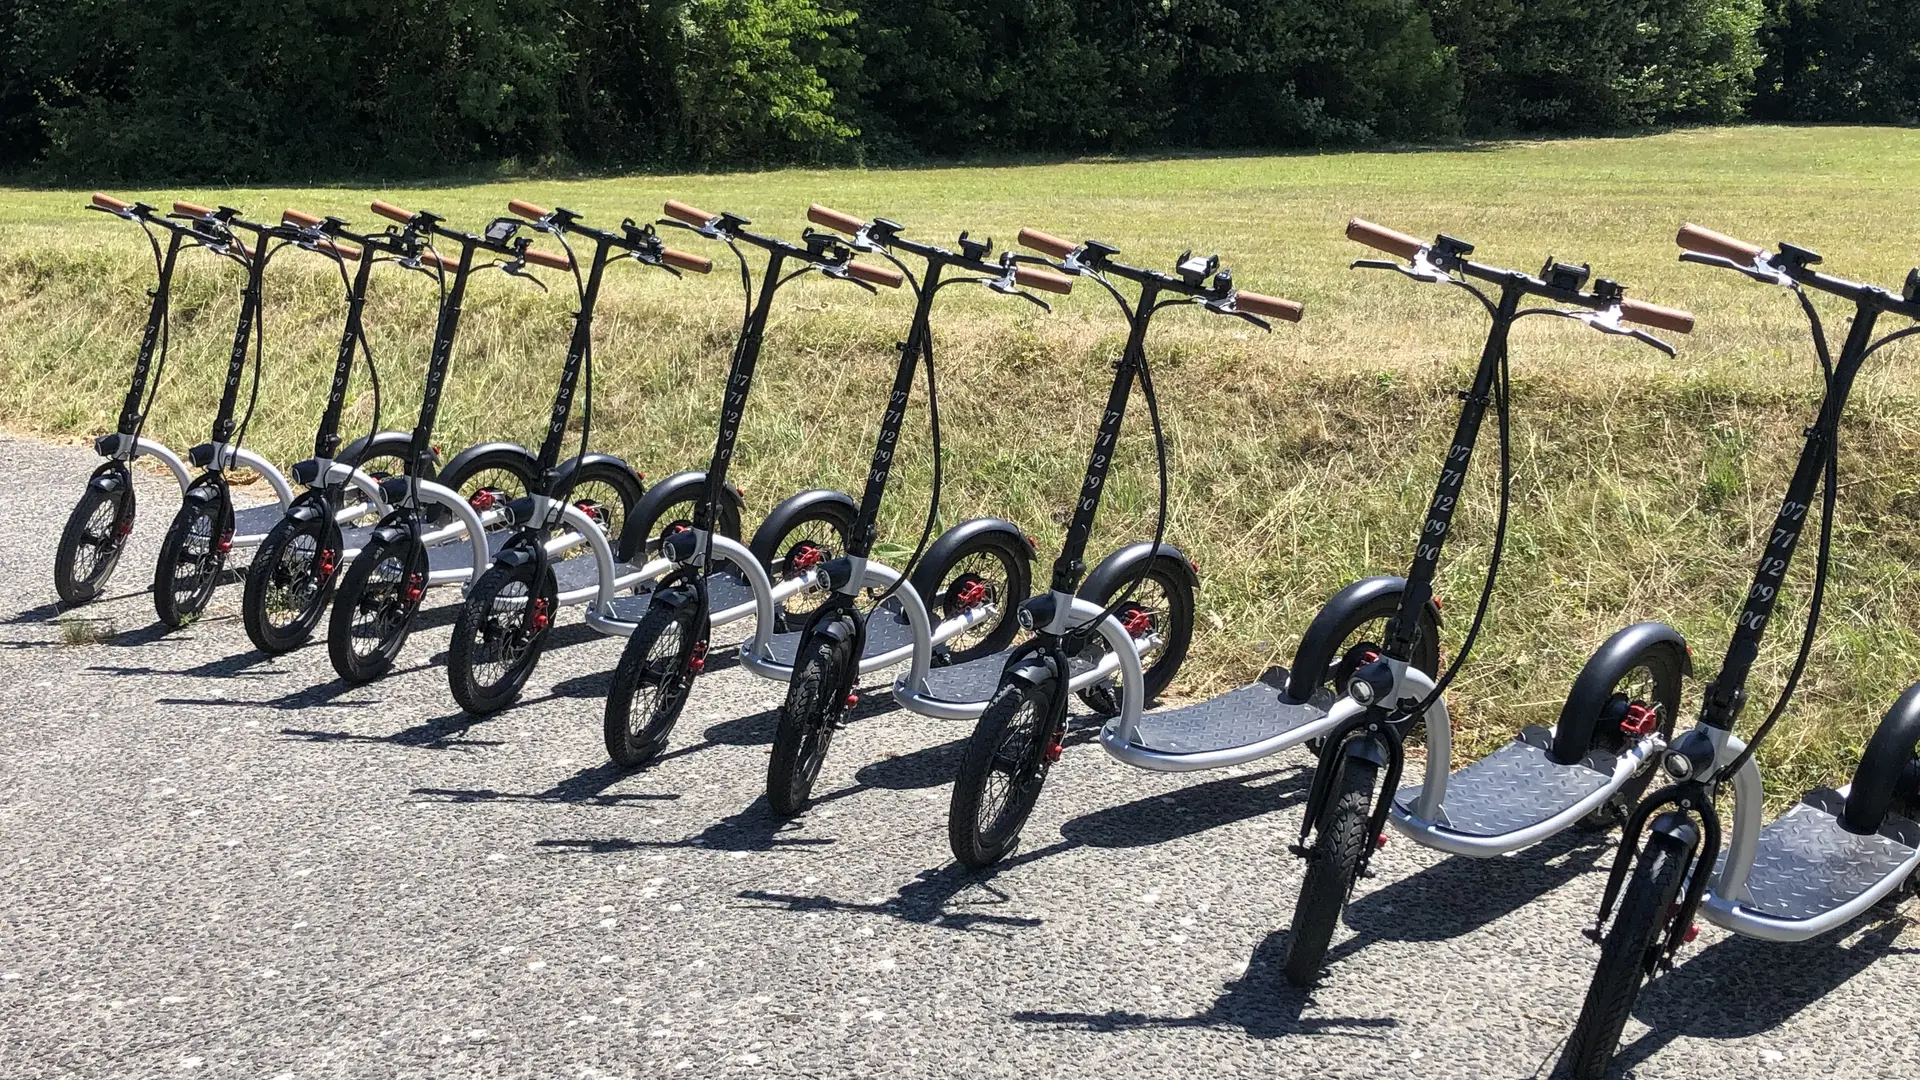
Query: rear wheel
[1160,608]
[650,686]
[814,709]
[1627,956]
[1004,767]
[499,635]
[373,613]
[91,544]
[288,584]
[191,558]
[990,570]
[788,547]
[491,479]
[1332,868]
[1646,698]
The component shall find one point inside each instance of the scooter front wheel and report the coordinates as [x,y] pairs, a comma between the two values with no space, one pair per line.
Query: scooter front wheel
[499,636]
[1627,956]
[373,613]
[288,585]
[814,709]
[190,563]
[1332,867]
[650,686]
[91,544]
[1004,767]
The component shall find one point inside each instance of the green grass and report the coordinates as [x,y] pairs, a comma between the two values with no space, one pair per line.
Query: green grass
[1301,459]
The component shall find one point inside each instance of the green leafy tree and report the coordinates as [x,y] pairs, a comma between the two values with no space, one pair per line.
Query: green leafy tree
[1850,60]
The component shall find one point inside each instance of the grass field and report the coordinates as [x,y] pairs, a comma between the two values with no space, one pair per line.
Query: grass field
[1301,459]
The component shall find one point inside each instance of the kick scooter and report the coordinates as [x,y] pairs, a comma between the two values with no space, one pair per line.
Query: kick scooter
[1111,626]
[668,624]
[503,627]
[1617,716]
[96,531]
[1836,853]
[433,535]
[292,574]
[974,575]
[207,526]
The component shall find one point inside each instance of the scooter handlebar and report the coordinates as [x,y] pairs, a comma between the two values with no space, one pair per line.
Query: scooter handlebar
[542,258]
[1046,243]
[688,213]
[1707,242]
[299,217]
[1273,307]
[392,212]
[1045,280]
[108,202]
[526,209]
[1663,318]
[875,275]
[1381,238]
[682,260]
[191,209]
[834,219]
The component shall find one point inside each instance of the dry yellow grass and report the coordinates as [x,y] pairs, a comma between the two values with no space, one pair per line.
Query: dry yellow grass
[1301,459]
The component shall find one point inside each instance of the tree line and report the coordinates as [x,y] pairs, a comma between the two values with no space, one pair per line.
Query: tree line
[154,89]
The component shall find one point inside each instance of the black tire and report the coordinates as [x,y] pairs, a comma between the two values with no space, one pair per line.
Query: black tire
[662,513]
[607,493]
[190,562]
[1653,678]
[288,584]
[91,543]
[1626,958]
[382,463]
[1332,868]
[499,635]
[788,546]
[650,686]
[503,473]
[1001,774]
[1166,598]
[1004,565]
[373,611]
[814,710]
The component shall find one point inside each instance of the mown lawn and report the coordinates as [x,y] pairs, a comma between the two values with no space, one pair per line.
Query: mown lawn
[1301,459]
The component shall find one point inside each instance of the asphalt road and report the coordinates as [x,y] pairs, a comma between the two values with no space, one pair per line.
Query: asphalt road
[216,863]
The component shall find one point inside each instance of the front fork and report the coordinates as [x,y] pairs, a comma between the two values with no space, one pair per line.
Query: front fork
[1372,735]
[1691,820]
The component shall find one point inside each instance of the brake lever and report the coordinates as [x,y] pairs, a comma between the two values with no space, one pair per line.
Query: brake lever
[709,230]
[839,271]
[1420,270]
[1609,322]
[517,268]
[1760,272]
[1006,287]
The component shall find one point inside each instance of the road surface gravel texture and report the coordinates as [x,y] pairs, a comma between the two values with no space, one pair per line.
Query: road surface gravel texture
[214,863]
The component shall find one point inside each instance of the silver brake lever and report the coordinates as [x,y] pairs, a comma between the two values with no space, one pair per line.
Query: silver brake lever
[1757,270]
[1609,322]
[1006,287]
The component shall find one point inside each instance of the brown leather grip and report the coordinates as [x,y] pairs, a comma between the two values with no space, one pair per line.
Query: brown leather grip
[1664,318]
[299,217]
[1045,280]
[392,212]
[834,219]
[692,215]
[191,209]
[1383,239]
[1707,242]
[875,275]
[698,264]
[108,202]
[542,258]
[526,209]
[1046,243]
[343,250]
[433,258]
[1273,307]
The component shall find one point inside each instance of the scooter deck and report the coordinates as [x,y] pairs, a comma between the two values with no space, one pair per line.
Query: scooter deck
[887,630]
[257,520]
[977,679]
[1516,787]
[582,571]
[1808,864]
[724,590]
[457,554]
[1236,718]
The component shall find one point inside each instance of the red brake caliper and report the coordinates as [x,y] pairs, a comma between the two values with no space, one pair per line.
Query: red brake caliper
[325,563]
[482,500]
[1137,622]
[540,617]
[698,662]
[1640,720]
[971,595]
[808,557]
[416,587]
[226,542]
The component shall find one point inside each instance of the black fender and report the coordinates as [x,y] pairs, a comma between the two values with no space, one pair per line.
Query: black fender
[112,476]
[1360,602]
[627,543]
[463,460]
[838,619]
[837,506]
[680,487]
[1120,567]
[523,548]
[389,444]
[1587,701]
[933,562]
[563,473]
[310,505]
[1887,773]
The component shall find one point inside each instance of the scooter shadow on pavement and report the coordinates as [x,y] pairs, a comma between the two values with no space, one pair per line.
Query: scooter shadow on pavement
[928,900]
[1261,1002]
[1755,985]
[439,733]
[588,787]
[1459,895]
